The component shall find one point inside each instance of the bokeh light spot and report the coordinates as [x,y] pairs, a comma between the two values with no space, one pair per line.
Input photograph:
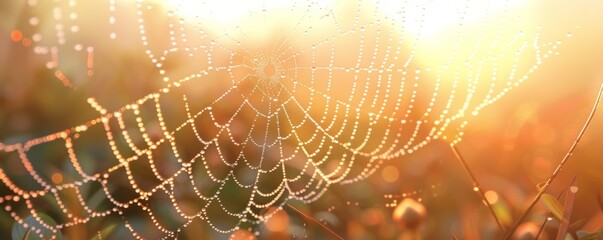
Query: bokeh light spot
[16,36]
[390,174]
[491,196]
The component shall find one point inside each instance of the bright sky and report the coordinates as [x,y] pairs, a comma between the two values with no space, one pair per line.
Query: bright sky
[421,17]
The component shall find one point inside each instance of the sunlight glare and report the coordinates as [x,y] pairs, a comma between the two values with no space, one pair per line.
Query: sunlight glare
[433,17]
[228,12]
[236,17]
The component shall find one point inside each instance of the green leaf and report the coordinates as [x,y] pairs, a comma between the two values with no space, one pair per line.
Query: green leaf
[553,205]
[19,231]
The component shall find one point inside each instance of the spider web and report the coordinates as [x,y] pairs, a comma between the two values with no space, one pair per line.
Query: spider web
[323,97]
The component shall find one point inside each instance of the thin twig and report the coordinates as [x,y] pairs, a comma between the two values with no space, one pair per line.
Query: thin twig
[567,206]
[314,220]
[541,229]
[546,219]
[559,167]
[477,186]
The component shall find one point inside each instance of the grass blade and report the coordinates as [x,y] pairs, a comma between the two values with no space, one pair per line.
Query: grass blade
[477,186]
[553,205]
[567,213]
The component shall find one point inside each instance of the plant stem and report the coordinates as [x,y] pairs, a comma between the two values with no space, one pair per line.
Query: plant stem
[477,186]
[541,229]
[315,221]
[559,167]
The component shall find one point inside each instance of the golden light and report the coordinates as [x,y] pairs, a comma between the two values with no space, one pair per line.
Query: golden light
[435,28]
[415,16]
[240,18]
[427,18]
[433,23]
[222,12]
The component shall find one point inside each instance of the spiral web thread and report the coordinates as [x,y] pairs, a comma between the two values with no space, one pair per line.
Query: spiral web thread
[325,101]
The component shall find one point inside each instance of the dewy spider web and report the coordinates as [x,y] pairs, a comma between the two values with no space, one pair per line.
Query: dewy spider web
[332,92]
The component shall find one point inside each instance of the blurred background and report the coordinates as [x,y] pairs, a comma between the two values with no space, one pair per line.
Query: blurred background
[512,145]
